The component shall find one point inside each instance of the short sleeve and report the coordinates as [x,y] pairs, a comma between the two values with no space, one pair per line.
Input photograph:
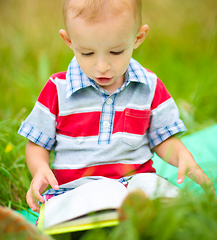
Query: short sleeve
[40,126]
[165,120]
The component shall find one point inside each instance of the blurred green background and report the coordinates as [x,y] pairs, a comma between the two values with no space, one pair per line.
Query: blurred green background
[181,48]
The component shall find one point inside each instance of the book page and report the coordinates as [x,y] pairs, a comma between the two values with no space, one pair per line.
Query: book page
[90,197]
[153,186]
[101,219]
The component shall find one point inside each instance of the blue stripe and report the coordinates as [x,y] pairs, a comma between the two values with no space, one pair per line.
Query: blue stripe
[37,140]
[170,132]
[177,126]
[47,143]
[133,71]
[29,133]
[160,136]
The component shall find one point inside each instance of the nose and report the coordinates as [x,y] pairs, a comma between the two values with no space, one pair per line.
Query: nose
[102,65]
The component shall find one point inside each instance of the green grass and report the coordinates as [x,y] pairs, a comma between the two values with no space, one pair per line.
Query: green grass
[180,48]
[14,176]
[189,217]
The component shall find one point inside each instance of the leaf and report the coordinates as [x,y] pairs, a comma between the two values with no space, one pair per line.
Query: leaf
[5,172]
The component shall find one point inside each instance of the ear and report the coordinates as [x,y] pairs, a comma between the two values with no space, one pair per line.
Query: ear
[65,37]
[141,35]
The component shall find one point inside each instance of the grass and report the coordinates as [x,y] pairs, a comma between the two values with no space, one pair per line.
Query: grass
[15,178]
[187,217]
[180,48]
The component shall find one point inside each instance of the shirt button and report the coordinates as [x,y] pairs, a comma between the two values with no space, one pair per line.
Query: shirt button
[106,124]
[109,101]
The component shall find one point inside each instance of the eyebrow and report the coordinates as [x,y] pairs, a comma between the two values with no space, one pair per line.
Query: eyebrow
[83,48]
[122,45]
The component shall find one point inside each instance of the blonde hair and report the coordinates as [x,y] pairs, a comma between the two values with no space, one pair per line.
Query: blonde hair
[93,10]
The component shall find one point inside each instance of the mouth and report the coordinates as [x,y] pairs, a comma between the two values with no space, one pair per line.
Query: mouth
[103,79]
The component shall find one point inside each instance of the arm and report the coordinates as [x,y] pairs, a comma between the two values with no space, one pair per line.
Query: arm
[37,159]
[175,153]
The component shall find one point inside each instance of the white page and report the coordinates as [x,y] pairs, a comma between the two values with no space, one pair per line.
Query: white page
[153,186]
[90,197]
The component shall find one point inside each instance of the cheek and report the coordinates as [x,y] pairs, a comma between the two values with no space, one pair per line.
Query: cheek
[124,66]
[124,62]
[84,64]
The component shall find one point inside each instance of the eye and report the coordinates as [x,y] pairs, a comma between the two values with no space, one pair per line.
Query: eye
[87,54]
[117,53]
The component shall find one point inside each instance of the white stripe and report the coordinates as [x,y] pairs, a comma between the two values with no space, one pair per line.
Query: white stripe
[52,80]
[95,138]
[77,139]
[45,110]
[99,108]
[128,135]
[62,81]
[68,166]
[92,164]
[134,106]
[80,110]
[163,105]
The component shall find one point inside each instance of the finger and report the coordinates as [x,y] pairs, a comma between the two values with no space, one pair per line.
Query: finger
[181,173]
[38,197]
[31,202]
[35,191]
[180,179]
[203,180]
[50,178]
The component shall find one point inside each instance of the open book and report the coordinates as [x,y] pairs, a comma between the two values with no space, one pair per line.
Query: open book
[95,203]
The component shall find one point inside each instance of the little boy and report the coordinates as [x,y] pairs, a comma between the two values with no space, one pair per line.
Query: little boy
[106,114]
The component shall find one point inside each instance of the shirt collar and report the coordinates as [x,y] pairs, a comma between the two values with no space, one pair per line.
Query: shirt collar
[76,79]
[136,73]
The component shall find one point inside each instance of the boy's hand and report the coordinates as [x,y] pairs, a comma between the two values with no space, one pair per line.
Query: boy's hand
[39,183]
[188,167]
[37,159]
[174,152]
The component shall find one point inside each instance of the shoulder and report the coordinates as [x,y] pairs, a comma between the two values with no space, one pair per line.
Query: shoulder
[58,76]
[158,89]
[54,79]
[142,74]
[50,88]
[151,77]
[136,67]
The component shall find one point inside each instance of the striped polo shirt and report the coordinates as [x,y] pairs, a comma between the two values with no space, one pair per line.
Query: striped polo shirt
[96,134]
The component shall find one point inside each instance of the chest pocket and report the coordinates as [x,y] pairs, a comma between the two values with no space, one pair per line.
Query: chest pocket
[136,123]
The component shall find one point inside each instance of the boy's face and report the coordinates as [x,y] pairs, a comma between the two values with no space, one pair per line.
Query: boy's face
[103,49]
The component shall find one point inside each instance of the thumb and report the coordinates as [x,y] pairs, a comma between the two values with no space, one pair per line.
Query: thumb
[52,180]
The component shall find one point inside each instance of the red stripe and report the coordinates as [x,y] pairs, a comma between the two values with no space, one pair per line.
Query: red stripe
[132,121]
[161,95]
[49,98]
[87,124]
[114,171]
[59,75]
[79,124]
[149,70]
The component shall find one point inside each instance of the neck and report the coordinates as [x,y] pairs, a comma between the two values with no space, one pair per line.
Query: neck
[117,84]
